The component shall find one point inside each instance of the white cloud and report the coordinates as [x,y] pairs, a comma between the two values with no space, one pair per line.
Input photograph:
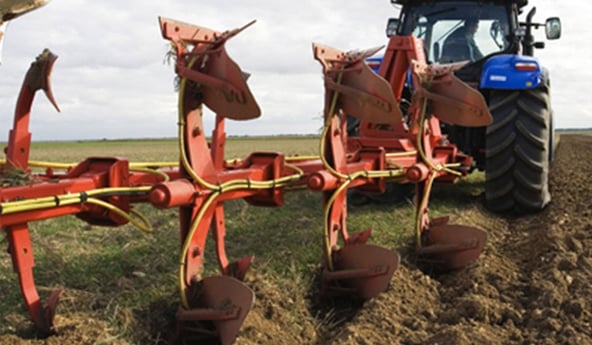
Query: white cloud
[110,80]
[566,60]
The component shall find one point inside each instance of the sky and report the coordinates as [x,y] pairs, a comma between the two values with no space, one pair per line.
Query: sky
[111,79]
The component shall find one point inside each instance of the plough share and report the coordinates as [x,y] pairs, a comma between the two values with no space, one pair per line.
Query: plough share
[396,144]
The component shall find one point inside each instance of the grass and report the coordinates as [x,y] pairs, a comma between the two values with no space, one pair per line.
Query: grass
[165,149]
[128,279]
[134,150]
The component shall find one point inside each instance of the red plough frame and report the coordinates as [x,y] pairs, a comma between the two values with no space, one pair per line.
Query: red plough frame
[393,146]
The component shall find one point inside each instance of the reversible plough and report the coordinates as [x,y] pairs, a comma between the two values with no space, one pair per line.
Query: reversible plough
[394,146]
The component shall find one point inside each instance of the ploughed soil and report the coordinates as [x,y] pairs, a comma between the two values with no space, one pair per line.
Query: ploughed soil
[532,285]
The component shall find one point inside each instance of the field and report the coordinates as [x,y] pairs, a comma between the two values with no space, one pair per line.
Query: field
[531,285]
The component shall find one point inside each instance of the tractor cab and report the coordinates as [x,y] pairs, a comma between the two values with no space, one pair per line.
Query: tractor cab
[458,31]
[469,30]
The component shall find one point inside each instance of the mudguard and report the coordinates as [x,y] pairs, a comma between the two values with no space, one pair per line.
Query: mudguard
[511,72]
[375,62]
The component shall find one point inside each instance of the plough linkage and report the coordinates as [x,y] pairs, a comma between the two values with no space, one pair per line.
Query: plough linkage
[396,145]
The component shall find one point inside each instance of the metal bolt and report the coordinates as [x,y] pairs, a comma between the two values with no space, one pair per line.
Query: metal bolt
[196,131]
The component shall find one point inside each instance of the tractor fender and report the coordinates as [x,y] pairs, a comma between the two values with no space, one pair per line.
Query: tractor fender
[375,62]
[512,72]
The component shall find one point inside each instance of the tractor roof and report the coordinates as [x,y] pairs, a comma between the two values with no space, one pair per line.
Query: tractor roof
[520,3]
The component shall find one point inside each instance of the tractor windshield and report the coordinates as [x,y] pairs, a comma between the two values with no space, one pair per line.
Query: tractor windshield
[458,30]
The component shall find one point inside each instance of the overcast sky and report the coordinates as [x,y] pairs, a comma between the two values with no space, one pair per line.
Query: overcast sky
[111,81]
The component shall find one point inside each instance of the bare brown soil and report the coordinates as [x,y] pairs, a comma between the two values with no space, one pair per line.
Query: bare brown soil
[532,285]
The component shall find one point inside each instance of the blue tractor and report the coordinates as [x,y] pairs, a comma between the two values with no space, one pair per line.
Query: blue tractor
[516,149]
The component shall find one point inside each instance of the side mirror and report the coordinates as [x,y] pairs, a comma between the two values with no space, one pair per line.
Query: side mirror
[553,28]
[392,26]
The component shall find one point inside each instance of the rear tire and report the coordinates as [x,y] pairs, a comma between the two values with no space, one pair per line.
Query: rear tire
[518,151]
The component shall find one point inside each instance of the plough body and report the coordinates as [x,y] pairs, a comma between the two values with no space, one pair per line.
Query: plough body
[395,145]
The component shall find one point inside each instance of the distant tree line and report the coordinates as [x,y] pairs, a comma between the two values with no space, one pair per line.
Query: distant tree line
[574,129]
